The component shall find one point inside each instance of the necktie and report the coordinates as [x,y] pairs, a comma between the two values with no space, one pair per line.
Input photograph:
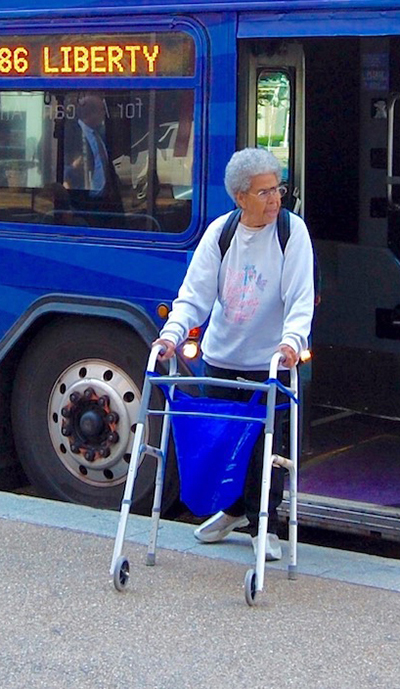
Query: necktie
[103,156]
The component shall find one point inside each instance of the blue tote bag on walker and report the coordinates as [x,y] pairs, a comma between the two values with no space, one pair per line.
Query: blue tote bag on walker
[213,453]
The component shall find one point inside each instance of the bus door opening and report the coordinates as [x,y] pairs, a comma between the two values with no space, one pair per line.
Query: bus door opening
[321,105]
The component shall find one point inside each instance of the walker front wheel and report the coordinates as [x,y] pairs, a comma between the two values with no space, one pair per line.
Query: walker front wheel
[121,573]
[250,584]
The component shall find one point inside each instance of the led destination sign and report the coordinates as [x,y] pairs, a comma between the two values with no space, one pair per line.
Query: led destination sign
[135,55]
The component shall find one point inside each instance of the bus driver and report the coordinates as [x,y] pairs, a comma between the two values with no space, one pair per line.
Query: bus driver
[89,173]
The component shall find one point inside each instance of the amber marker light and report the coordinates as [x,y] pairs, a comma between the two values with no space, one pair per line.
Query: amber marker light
[190,349]
[163,310]
[305,356]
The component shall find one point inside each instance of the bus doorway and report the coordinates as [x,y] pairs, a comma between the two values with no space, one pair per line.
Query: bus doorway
[325,106]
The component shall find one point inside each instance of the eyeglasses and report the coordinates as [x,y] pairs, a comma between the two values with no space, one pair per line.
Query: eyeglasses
[266,193]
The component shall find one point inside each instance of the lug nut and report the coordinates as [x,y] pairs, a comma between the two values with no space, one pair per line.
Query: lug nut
[89,455]
[75,448]
[66,430]
[104,401]
[66,412]
[104,452]
[112,417]
[113,437]
[88,394]
[75,397]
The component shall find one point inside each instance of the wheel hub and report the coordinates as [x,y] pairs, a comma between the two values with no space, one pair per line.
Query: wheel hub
[91,424]
[92,414]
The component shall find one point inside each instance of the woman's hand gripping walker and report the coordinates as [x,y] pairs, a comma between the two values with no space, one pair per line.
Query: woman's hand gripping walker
[254,579]
[119,569]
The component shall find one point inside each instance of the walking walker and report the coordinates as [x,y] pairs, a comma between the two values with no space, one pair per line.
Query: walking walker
[206,489]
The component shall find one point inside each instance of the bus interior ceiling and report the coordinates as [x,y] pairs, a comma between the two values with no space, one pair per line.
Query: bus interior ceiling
[353,449]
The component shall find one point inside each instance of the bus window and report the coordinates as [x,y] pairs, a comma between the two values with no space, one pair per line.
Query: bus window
[109,159]
[273,116]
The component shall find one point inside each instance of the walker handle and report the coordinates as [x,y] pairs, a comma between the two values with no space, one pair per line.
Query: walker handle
[273,367]
[293,371]
[155,351]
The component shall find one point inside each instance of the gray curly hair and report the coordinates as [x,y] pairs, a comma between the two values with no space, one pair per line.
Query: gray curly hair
[246,164]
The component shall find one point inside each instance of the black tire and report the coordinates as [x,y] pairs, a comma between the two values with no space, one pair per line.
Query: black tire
[250,587]
[121,573]
[76,354]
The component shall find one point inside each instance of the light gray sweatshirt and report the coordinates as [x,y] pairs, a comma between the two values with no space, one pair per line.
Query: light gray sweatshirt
[258,297]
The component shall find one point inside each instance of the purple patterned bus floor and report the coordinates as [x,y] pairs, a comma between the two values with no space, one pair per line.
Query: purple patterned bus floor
[366,471]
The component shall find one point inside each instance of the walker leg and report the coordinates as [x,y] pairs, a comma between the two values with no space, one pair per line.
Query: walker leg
[292,568]
[155,513]
[254,579]
[265,488]
[127,498]
[158,491]
[263,518]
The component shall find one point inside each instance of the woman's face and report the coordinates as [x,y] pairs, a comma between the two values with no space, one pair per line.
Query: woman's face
[262,202]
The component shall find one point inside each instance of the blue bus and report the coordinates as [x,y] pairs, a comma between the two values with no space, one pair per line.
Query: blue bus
[96,234]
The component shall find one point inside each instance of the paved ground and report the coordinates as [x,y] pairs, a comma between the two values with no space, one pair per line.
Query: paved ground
[184,624]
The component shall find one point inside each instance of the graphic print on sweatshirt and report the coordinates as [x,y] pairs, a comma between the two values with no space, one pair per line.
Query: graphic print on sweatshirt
[241,293]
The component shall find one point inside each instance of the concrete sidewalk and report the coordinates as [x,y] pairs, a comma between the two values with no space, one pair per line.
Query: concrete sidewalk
[184,624]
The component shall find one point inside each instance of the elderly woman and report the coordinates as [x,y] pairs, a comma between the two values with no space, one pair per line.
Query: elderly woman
[261,300]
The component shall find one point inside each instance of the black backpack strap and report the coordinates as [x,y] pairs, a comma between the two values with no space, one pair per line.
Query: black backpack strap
[232,222]
[228,231]
[283,223]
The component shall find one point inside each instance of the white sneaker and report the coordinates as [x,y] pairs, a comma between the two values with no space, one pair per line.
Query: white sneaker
[219,526]
[273,549]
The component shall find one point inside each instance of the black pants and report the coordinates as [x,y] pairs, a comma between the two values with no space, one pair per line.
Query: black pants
[249,502]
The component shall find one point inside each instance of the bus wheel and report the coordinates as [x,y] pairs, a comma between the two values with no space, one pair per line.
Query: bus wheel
[75,403]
